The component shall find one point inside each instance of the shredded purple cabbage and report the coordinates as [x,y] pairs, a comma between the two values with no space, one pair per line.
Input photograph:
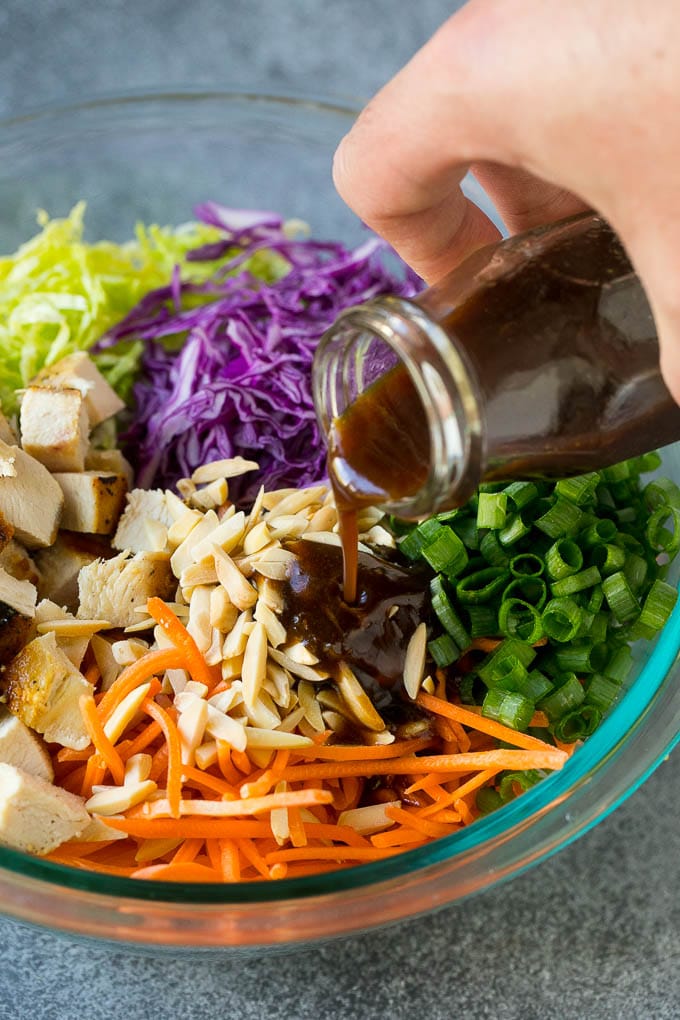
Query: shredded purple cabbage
[240,382]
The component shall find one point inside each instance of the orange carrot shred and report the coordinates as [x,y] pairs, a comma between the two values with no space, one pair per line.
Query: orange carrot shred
[479,722]
[174,753]
[183,641]
[138,673]
[101,742]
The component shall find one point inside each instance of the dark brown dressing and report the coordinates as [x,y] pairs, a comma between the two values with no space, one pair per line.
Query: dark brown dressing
[371,633]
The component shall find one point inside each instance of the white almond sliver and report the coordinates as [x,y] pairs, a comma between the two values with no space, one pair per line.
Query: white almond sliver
[276,632]
[198,573]
[212,496]
[213,654]
[274,738]
[292,720]
[206,754]
[311,707]
[137,768]
[127,652]
[278,818]
[381,536]
[199,618]
[177,678]
[287,525]
[270,594]
[223,727]
[315,676]
[299,652]
[183,526]
[239,590]
[183,554]
[357,700]
[274,564]
[176,508]
[223,613]
[116,799]
[235,641]
[226,700]
[322,537]
[152,849]
[226,535]
[191,727]
[262,713]
[254,668]
[257,538]
[300,499]
[281,684]
[256,510]
[124,713]
[72,628]
[369,820]
[414,661]
[228,467]
[323,519]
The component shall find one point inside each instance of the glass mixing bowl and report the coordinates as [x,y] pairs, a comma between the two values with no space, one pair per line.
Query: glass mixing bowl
[153,157]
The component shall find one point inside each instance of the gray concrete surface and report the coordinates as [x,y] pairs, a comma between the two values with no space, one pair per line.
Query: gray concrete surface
[594,933]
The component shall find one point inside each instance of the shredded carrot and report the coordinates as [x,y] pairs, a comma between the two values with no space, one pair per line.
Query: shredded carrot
[236,808]
[183,641]
[241,761]
[172,740]
[205,779]
[189,872]
[188,851]
[101,742]
[325,853]
[253,856]
[138,673]
[92,674]
[93,776]
[414,821]
[230,864]
[225,765]
[480,722]
[463,790]
[143,740]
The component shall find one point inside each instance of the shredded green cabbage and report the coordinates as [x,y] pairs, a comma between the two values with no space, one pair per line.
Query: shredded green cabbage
[59,294]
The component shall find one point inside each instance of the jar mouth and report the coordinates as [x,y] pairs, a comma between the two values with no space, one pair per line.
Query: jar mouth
[364,343]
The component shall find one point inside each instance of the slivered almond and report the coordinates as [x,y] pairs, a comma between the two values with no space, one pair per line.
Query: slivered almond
[257,539]
[206,754]
[270,594]
[231,668]
[127,652]
[228,467]
[278,818]
[315,676]
[239,590]
[367,517]
[274,563]
[182,527]
[198,573]
[274,738]
[274,693]
[323,519]
[414,661]
[225,700]
[223,727]
[72,627]
[300,499]
[183,555]
[287,525]
[334,720]
[124,713]
[137,768]
[377,739]
[191,727]
[322,537]
[211,496]
[255,510]
[113,800]
[153,849]
[103,654]
[213,654]
[176,507]
[254,668]
[276,632]
[223,613]
[186,487]
[226,535]
[236,639]
[138,628]
[178,679]
[275,496]
[357,699]
[199,618]
[292,720]
[262,713]
[312,709]
[369,820]
[281,682]
[428,685]
[378,535]
[299,652]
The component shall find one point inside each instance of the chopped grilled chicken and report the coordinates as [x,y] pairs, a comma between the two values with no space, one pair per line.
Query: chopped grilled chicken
[60,565]
[7,433]
[111,589]
[30,499]
[54,427]
[35,816]
[6,533]
[42,687]
[143,526]
[16,561]
[77,371]
[17,610]
[109,462]
[23,748]
[18,595]
[92,501]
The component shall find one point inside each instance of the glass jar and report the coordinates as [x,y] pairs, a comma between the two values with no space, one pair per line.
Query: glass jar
[536,357]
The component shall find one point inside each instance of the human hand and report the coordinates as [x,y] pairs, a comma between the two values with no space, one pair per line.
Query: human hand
[555,107]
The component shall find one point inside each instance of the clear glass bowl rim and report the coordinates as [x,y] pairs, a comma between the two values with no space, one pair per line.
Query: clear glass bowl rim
[495,830]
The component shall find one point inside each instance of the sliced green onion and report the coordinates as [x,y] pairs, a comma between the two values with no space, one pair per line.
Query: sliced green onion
[492,510]
[483,621]
[608,558]
[563,518]
[635,569]
[567,696]
[530,589]
[443,650]
[598,532]
[619,665]
[524,780]
[508,707]
[660,537]
[517,618]
[660,492]
[535,686]
[601,691]
[508,673]
[578,724]
[492,550]
[578,490]
[526,565]
[563,558]
[466,529]
[648,462]
[597,630]
[514,529]
[581,657]
[447,615]
[656,609]
[412,545]
[482,585]
[620,598]
[446,554]
[510,647]
[521,494]
[595,600]
[488,800]
[576,582]
[449,515]
[562,619]
[617,472]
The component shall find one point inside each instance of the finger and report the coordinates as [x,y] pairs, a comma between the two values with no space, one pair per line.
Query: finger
[524,200]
